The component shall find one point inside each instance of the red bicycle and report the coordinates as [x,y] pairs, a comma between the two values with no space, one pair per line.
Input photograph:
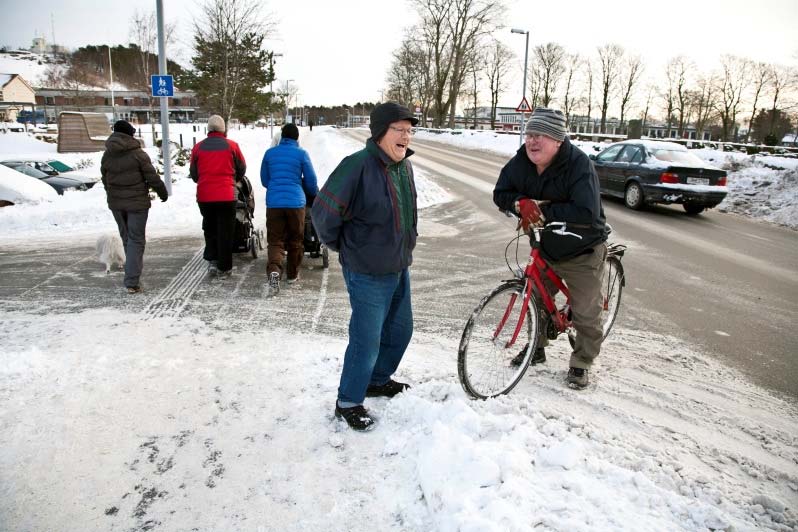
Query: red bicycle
[491,336]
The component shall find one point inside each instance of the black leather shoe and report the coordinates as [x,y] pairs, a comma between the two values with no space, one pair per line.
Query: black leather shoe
[357,417]
[389,389]
[538,357]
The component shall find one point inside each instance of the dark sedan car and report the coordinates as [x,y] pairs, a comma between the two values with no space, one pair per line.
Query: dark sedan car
[59,183]
[646,172]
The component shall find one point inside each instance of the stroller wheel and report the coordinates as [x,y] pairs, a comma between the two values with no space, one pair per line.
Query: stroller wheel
[253,246]
[325,257]
[259,234]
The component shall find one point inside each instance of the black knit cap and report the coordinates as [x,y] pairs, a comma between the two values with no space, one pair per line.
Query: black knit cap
[123,126]
[386,114]
[290,131]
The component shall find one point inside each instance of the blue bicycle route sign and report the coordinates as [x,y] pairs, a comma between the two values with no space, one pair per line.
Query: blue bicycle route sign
[162,86]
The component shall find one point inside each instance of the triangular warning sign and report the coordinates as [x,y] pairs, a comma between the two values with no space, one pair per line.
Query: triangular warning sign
[523,107]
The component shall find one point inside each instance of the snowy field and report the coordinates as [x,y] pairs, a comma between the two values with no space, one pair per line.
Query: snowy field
[193,426]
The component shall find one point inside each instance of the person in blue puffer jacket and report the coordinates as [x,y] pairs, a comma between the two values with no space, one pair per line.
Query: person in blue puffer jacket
[289,178]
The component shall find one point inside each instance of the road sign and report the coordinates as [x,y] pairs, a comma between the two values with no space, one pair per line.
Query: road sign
[162,86]
[523,107]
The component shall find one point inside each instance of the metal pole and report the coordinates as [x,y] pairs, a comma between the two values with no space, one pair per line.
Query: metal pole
[523,94]
[523,115]
[167,160]
[111,79]
[271,90]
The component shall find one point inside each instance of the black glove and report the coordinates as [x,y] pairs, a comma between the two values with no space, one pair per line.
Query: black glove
[163,197]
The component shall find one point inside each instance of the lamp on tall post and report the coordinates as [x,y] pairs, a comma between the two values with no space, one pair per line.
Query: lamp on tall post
[271,91]
[110,84]
[523,91]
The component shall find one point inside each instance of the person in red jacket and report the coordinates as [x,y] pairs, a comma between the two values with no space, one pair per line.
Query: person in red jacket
[217,164]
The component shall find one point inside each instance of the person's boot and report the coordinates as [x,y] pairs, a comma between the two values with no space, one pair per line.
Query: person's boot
[274,283]
[357,417]
[577,378]
[389,389]
[538,357]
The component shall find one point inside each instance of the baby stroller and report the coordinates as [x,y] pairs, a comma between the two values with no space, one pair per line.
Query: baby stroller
[246,238]
[311,242]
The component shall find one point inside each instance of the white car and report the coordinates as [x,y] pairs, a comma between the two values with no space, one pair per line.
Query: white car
[54,167]
[16,188]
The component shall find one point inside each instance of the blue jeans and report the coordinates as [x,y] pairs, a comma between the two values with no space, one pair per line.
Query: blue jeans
[132,228]
[379,331]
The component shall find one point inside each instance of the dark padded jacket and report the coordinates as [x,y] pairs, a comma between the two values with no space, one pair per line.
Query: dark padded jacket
[571,184]
[128,174]
[216,165]
[367,211]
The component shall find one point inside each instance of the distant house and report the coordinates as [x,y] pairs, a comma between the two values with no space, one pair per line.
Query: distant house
[15,95]
[136,107]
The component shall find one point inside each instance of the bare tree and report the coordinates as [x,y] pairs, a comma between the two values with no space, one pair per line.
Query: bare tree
[732,79]
[704,103]
[762,73]
[676,72]
[497,64]
[632,70]
[573,62]
[781,78]
[587,99]
[649,98]
[549,59]
[409,78]
[144,34]
[610,56]
[668,97]
[451,30]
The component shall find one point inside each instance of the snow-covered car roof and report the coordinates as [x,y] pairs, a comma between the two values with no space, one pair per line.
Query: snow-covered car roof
[16,187]
[652,145]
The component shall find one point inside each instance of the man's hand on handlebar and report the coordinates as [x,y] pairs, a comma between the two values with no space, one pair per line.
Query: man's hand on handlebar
[530,213]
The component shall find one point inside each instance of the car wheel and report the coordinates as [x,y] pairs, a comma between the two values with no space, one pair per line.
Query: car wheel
[692,210]
[633,198]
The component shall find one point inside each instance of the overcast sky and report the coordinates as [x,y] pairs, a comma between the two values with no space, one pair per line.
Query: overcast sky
[338,52]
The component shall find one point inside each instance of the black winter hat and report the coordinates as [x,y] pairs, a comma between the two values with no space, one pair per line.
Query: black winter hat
[123,126]
[386,114]
[290,131]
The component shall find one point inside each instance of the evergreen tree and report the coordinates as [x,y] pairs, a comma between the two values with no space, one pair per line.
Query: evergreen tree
[231,70]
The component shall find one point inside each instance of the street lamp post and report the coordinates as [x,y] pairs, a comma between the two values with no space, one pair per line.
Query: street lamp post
[523,93]
[271,90]
[288,98]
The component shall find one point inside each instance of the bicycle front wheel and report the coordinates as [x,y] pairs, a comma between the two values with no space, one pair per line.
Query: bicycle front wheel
[486,348]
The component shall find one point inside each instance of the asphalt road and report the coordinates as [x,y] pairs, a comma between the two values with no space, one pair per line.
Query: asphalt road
[721,282]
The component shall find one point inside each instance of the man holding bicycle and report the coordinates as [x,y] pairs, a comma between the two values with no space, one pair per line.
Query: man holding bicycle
[551,180]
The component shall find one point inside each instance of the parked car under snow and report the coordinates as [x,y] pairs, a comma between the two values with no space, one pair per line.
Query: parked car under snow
[645,172]
[59,183]
[54,167]
[17,188]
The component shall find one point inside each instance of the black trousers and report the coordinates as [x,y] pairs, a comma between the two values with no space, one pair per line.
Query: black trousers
[218,225]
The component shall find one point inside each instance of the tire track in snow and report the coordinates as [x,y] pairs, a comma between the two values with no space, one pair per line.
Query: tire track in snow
[173,299]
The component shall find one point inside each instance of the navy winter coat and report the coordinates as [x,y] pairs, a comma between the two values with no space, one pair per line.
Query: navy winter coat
[367,212]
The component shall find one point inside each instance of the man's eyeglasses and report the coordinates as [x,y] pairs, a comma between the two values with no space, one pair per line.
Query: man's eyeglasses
[403,131]
[534,136]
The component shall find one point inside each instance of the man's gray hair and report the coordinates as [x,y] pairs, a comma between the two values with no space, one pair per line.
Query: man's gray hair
[216,123]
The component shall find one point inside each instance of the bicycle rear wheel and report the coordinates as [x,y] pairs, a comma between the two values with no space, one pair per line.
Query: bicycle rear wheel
[483,359]
[612,283]
[611,288]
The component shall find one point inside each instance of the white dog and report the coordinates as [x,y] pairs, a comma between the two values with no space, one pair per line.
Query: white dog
[110,251]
